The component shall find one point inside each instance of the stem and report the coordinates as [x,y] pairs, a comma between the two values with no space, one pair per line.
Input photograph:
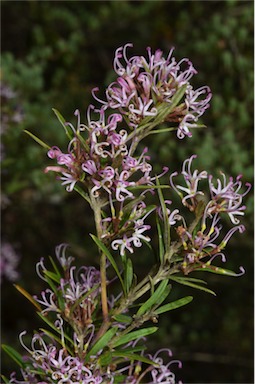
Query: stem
[96,206]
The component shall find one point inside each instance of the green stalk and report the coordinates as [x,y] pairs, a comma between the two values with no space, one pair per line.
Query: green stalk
[96,206]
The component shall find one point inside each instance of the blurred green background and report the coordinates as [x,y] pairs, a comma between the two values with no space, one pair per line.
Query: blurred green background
[53,54]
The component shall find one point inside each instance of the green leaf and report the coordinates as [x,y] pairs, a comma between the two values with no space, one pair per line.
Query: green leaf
[128,273]
[101,343]
[177,97]
[39,141]
[153,299]
[50,282]
[218,271]
[160,242]
[57,339]
[134,349]
[182,280]
[132,356]
[119,379]
[163,130]
[14,355]
[173,305]
[110,258]
[167,239]
[28,296]
[163,296]
[63,123]
[123,318]
[51,325]
[82,193]
[105,359]
[151,186]
[53,276]
[124,339]
[55,267]
[6,381]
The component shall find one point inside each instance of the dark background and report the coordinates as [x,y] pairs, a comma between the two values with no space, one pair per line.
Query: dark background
[53,54]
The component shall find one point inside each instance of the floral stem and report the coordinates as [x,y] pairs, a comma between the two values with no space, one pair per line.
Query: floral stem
[96,206]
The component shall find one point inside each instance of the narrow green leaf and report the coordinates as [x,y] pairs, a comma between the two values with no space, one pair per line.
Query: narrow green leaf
[128,273]
[6,381]
[124,339]
[82,193]
[163,296]
[39,141]
[28,296]
[163,130]
[123,318]
[105,359]
[57,339]
[55,267]
[160,242]
[50,282]
[173,305]
[191,279]
[134,349]
[219,271]
[110,258]
[133,356]
[14,355]
[53,276]
[167,239]
[151,186]
[153,299]
[190,284]
[51,325]
[178,96]
[62,122]
[101,343]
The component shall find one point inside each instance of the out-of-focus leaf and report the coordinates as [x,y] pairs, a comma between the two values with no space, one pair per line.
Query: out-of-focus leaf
[63,123]
[13,354]
[105,359]
[53,276]
[28,296]
[39,141]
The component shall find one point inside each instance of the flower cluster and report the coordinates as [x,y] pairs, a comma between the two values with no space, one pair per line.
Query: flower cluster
[45,361]
[54,365]
[100,155]
[105,166]
[96,331]
[144,85]
[63,359]
[225,198]
[77,292]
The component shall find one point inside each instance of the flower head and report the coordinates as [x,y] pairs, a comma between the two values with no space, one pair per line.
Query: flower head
[227,197]
[146,83]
